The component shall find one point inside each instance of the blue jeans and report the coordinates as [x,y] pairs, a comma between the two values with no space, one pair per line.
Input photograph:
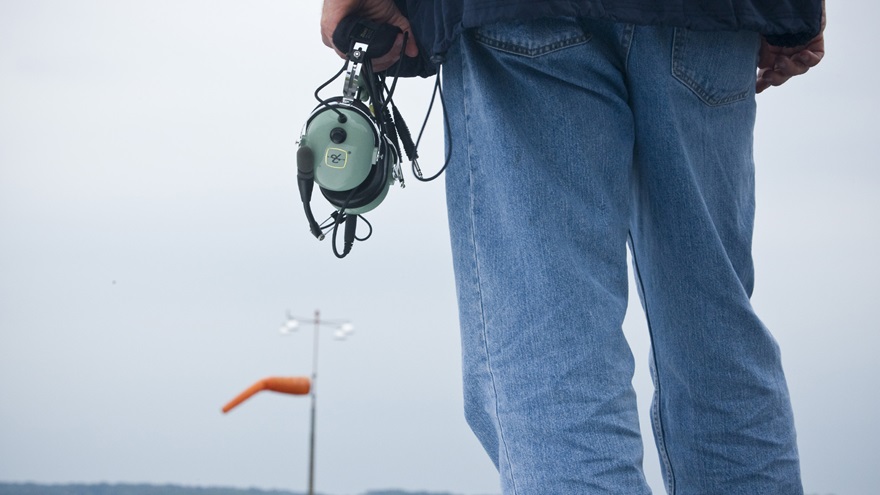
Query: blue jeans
[571,139]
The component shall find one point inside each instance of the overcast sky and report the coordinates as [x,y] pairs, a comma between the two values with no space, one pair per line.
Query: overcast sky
[151,241]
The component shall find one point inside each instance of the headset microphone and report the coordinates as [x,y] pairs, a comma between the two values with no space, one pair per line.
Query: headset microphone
[305,178]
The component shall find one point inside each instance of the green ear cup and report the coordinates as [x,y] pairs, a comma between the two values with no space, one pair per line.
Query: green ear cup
[345,152]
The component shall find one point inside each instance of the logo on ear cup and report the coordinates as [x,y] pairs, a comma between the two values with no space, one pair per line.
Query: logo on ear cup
[336,158]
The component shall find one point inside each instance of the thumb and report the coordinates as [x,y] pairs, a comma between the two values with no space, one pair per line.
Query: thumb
[398,20]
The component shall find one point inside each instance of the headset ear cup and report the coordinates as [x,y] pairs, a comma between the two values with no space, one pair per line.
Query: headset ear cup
[346,151]
[358,189]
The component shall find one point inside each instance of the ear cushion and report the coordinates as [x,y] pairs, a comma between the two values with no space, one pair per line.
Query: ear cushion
[369,189]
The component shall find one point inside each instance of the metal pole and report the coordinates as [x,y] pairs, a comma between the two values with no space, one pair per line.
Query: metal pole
[314,402]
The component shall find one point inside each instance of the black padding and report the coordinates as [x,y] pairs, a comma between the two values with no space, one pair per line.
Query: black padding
[379,37]
[365,193]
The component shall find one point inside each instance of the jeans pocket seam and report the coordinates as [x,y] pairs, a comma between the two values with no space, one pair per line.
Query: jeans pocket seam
[679,73]
[516,49]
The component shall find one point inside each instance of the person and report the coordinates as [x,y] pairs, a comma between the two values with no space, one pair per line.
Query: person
[576,129]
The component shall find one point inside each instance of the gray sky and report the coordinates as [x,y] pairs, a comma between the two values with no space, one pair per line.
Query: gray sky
[151,240]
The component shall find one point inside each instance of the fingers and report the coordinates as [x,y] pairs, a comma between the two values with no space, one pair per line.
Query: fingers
[387,60]
[778,69]
[809,58]
[393,55]
[332,13]
[776,65]
[782,71]
[328,25]
[762,83]
[383,11]
[412,48]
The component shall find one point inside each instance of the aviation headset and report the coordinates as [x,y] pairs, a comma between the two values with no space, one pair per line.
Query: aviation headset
[349,144]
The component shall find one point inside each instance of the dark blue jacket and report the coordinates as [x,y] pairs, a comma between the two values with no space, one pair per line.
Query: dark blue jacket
[784,22]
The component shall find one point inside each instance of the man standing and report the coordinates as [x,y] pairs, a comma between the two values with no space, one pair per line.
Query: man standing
[578,128]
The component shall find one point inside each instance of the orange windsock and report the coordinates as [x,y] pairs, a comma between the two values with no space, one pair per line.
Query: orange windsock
[294,385]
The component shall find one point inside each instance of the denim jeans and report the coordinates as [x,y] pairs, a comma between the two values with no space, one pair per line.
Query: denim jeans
[571,139]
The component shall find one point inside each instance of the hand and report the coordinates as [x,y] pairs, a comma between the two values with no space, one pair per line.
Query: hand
[777,64]
[384,11]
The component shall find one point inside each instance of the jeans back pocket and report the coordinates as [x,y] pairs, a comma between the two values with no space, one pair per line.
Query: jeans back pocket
[718,66]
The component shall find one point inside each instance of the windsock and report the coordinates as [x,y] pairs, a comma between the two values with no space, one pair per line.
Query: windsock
[293,385]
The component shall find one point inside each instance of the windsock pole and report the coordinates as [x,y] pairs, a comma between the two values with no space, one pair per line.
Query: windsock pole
[299,385]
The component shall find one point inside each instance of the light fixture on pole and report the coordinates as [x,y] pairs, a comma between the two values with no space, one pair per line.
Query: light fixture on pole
[343,330]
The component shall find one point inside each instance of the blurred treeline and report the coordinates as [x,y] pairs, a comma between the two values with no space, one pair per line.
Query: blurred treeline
[144,489]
